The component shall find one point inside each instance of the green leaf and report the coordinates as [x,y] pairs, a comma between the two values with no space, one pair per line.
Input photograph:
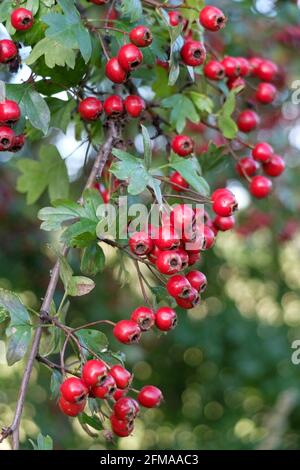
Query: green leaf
[92,260]
[182,108]
[192,13]
[63,211]
[147,147]
[190,170]
[202,102]
[60,112]
[93,421]
[80,234]
[80,285]
[65,270]
[226,124]
[43,443]
[3,315]
[33,6]
[55,383]
[131,169]
[95,340]
[132,8]
[55,54]
[49,172]
[213,157]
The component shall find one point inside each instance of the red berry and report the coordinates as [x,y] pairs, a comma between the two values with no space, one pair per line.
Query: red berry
[231,67]
[9,112]
[236,82]
[141,36]
[225,204]
[8,51]
[220,192]
[178,286]
[184,256]
[212,18]
[129,57]
[254,64]
[182,218]
[193,53]
[119,394]
[98,2]
[196,244]
[197,280]
[267,70]
[106,389]
[214,70]
[247,121]
[74,390]
[144,317]
[193,258]
[165,319]
[7,136]
[71,409]
[114,71]
[168,262]
[140,243]
[94,372]
[134,105]
[275,166]
[18,143]
[244,66]
[209,237]
[166,238]
[126,409]
[113,106]
[123,377]
[104,192]
[121,428]
[260,186]
[183,145]
[175,18]
[262,152]
[90,108]
[177,182]
[127,332]
[191,301]
[246,166]
[154,254]
[265,93]
[21,19]
[224,223]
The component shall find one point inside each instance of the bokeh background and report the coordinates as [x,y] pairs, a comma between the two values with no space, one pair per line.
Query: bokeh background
[226,371]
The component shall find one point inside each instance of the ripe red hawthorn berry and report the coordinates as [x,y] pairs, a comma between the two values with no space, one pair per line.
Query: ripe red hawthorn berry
[90,108]
[150,396]
[178,183]
[191,301]
[244,66]
[113,106]
[260,186]
[246,166]
[254,64]
[129,57]
[193,258]
[184,256]
[126,408]
[220,192]
[262,152]
[195,244]
[71,409]
[267,70]
[94,372]
[140,243]
[214,70]
[165,319]
[182,217]
[122,376]
[275,166]
[103,191]
[8,51]
[166,238]
[154,254]
[9,112]
[127,332]
[224,223]
[7,136]
[168,262]
[193,53]
[212,18]
[178,286]
[175,18]
[225,204]
[197,280]
[209,237]
[106,389]
[98,2]
[265,93]
[115,72]
[247,121]
[183,145]
[231,67]
[74,390]
[144,317]
[18,143]
[236,82]
[21,19]
[119,393]
[121,427]
[134,105]
[141,36]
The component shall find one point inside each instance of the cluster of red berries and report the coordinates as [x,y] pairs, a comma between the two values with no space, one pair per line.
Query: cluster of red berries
[129,56]
[22,20]
[99,381]
[9,114]
[91,108]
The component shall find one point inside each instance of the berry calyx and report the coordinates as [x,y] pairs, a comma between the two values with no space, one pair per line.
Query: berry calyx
[113,106]
[168,262]
[90,108]
[183,145]
[7,136]
[178,286]
[127,332]
[140,243]
[214,70]
[144,317]
[165,319]
[197,280]
[8,51]
[265,93]
[106,389]
[94,372]
[123,377]
[262,152]
[115,72]
[141,36]
[129,57]
[212,18]
[247,121]
[134,105]
[275,166]
[21,19]
[246,166]
[260,186]
[74,390]
[71,409]
[9,112]
[193,53]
